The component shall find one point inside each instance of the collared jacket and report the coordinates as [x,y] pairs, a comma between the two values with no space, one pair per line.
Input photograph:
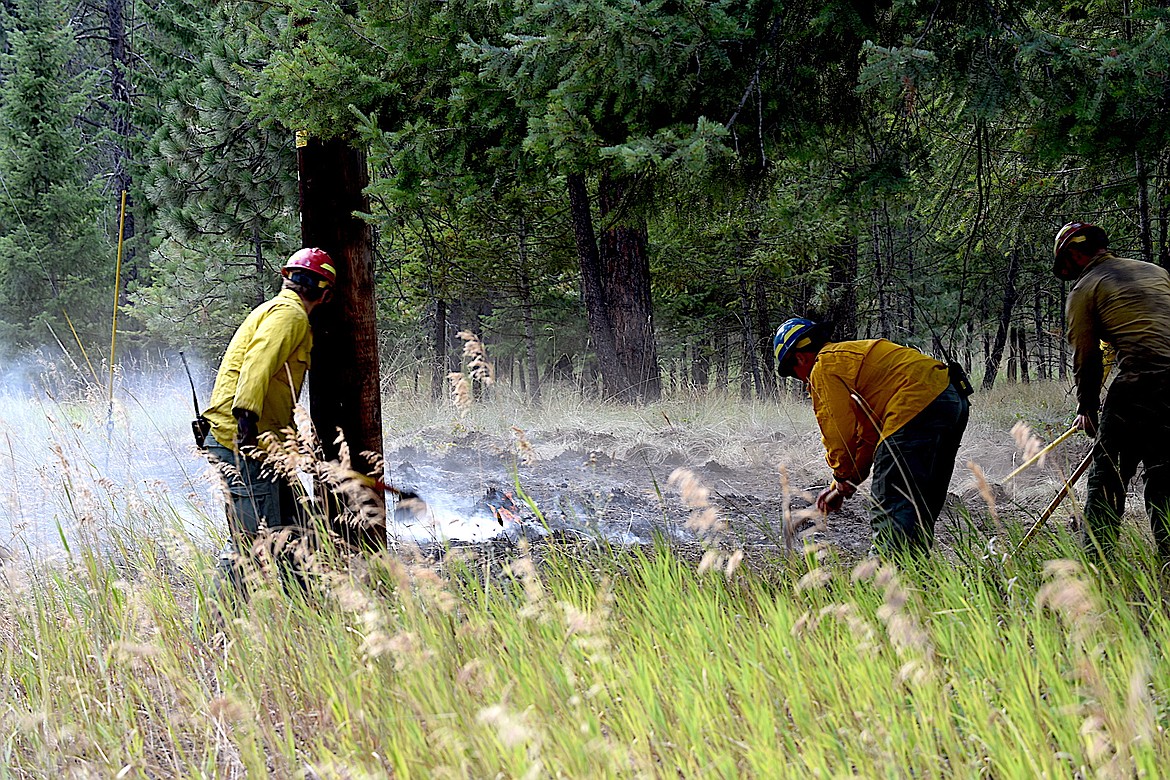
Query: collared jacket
[863,392]
[263,368]
[1127,304]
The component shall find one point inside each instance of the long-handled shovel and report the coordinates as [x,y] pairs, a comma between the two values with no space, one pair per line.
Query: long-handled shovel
[1035,458]
[1081,468]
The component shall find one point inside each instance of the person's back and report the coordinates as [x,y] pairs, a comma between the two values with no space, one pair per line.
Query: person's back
[1126,303]
[894,382]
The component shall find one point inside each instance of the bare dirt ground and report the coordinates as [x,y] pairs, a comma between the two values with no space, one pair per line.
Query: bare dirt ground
[598,482]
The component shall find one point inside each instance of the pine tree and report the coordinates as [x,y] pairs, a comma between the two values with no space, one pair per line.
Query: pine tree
[223,186]
[51,245]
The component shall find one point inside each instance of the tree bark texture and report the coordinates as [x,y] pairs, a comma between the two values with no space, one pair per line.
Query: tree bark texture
[345,382]
[613,376]
[625,278]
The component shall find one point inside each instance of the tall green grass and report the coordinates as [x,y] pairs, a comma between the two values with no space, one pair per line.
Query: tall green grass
[572,661]
[589,664]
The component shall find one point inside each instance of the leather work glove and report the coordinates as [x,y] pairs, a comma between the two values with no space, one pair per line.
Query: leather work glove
[833,497]
[246,432]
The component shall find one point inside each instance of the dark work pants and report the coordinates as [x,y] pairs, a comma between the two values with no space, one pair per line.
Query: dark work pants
[911,473]
[1134,428]
[257,498]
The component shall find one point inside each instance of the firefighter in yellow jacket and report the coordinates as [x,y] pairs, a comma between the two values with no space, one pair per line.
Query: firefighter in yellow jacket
[256,388]
[883,408]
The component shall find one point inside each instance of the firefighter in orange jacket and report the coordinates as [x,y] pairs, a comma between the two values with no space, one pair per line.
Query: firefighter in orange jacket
[883,408]
[258,382]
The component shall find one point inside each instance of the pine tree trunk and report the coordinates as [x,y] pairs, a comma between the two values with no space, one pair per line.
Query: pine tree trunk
[720,348]
[1005,317]
[843,288]
[1042,367]
[747,359]
[625,277]
[345,386]
[1143,193]
[439,368]
[258,264]
[529,323]
[123,130]
[763,339]
[1063,336]
[1022,335]
[751,364]
[613,377]
[880,279]
[700,365]
[1013,345]
[1163,215]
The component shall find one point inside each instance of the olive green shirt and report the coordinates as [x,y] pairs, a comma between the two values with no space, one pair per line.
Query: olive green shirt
[1126,303]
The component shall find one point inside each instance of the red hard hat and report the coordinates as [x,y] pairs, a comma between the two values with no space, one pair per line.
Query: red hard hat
[312,259]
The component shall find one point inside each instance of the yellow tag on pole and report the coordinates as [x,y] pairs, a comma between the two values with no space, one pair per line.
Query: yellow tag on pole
[302,139]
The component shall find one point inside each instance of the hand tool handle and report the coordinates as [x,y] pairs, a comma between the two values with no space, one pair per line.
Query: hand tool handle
[1081,468]
[187,368]
[1042,452]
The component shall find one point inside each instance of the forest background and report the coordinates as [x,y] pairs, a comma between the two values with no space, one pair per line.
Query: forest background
[627,195]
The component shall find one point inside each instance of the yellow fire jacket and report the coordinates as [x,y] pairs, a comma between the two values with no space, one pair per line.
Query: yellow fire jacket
[1126,303]
[253,374]
[864,391]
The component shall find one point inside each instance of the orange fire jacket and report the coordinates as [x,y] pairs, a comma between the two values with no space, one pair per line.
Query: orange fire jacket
[864,391]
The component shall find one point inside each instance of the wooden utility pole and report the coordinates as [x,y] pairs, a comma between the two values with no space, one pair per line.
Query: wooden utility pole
[344,381]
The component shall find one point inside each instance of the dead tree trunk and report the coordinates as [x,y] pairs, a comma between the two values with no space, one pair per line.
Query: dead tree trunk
[1005,317]
[345,382]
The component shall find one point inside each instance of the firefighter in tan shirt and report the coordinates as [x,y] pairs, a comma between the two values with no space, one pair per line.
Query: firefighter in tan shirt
[886,408]
[1127,304]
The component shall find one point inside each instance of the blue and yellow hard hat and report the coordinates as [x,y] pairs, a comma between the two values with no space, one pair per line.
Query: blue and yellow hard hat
[792,334]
